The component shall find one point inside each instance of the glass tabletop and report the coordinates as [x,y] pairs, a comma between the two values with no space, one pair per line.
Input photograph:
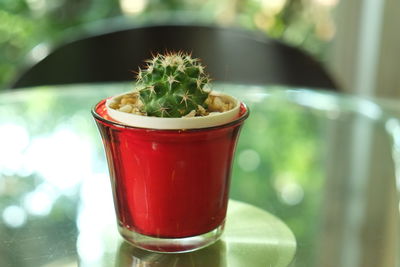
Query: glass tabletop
[323,163]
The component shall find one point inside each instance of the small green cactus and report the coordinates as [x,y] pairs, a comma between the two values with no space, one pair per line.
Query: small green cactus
[173,85]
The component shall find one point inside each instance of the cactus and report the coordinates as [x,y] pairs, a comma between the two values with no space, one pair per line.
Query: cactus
[173,85]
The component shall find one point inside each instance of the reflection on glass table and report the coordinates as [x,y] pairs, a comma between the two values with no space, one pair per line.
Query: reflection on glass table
[324,164]
[252,237]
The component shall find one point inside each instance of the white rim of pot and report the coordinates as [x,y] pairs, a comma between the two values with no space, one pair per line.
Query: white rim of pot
[211,120]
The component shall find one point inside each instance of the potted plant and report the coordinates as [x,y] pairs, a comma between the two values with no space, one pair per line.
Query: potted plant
[169,146]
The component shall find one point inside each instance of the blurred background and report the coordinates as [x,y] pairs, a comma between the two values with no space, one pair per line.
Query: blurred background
[354,39]
[357,41]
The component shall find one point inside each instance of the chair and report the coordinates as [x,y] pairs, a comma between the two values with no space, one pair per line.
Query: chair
[231,55]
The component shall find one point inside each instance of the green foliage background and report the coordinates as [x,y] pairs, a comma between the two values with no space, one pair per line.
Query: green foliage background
[27,23]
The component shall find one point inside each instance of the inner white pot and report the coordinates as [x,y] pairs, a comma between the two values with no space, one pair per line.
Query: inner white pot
[213,119]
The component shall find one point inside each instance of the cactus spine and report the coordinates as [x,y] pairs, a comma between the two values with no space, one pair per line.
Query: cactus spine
[173,85]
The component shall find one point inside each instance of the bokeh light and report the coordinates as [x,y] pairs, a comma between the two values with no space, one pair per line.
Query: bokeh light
[133,6]
[289,190]
[95,215]
[249,160]
[14,139]
[14,216]
[40,201]
[49,154]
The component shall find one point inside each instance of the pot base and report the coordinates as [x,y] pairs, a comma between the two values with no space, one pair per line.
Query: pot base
[171,245]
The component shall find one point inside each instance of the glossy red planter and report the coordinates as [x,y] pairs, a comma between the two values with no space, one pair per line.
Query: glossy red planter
[169,185]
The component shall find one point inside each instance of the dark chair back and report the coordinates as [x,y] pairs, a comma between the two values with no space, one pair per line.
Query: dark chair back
[231,55]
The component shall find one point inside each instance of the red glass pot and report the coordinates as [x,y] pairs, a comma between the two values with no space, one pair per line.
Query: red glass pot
[170,187]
